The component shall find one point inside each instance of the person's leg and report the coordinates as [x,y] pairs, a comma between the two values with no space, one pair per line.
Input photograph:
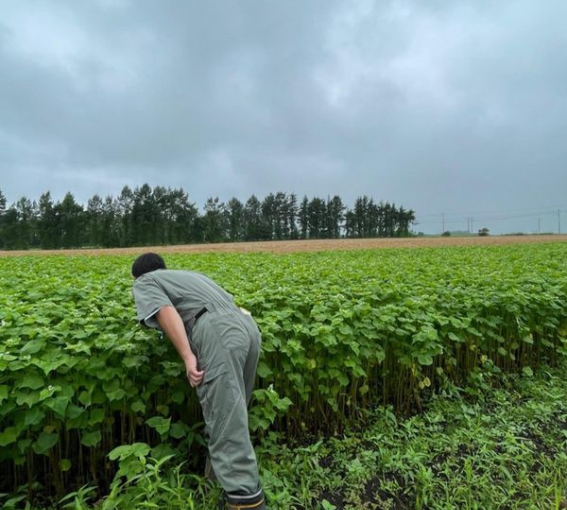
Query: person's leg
[224,348]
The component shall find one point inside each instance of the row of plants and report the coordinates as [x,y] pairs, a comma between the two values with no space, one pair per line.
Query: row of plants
[492,446]
[343,332]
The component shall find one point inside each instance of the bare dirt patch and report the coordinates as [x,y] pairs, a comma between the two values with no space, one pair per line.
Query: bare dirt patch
[308,245]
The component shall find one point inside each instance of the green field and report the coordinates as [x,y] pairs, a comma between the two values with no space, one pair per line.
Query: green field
[354,344]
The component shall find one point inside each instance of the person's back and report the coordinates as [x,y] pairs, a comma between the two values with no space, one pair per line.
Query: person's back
[187,291]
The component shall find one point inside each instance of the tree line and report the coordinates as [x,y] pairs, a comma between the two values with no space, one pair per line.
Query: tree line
[147,216]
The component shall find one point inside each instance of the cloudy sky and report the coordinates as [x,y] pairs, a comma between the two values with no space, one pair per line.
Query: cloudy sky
[456,110]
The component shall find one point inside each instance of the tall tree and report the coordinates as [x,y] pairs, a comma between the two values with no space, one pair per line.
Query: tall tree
[317,215]
[253,219]
[335,217]
[111,222]
[10,228]
[47,222]
[183,215]
[125,205]
[270,218]
[236,220]
[96,231]
[214,221]
[291,217]
[304,218]
[143,216]
[27,223]
[69,221]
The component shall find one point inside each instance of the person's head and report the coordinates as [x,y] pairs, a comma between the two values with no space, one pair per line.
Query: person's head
[147,263]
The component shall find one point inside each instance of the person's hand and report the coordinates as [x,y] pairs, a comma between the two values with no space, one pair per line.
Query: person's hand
[194,375]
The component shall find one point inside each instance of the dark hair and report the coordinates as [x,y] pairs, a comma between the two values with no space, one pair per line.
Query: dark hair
[147,263]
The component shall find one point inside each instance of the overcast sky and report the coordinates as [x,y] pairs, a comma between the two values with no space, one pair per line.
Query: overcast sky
[455,109]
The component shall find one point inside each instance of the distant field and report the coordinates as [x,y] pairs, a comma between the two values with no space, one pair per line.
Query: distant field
[313,245]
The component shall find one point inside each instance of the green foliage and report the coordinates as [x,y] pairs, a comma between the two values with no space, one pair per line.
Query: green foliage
[342,334]
[158,216]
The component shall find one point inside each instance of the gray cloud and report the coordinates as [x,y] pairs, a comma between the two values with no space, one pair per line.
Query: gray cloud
[455,108]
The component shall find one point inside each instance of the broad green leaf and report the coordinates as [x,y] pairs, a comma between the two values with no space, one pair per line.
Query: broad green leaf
[32,347]
[34,416]
[116,395]
[179,430]
[178,397]
[425,359]
[45,442]
[8,436]
[124,451]
[138,407]
[3,392]
[85,398]
[58,405]
[264,370]
[160,424]
[32,381]
[91,438]
[28,398]
[74,411]
[96,416]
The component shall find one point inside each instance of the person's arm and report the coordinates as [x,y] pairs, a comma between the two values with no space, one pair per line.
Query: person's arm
[172,325]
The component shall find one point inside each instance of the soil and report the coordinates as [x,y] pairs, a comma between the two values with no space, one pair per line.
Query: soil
[309,245]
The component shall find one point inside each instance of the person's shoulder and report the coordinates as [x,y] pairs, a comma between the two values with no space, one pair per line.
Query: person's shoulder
[174,274]
[156,275]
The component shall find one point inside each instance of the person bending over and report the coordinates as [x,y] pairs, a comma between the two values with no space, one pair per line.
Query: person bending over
[220,346]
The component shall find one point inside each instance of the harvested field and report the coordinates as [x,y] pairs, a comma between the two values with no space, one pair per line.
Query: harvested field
[309,245]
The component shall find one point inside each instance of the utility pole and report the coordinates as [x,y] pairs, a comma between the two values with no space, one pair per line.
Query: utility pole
[443,218]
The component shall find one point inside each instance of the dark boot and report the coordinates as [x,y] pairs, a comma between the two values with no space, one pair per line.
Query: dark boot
[253,502]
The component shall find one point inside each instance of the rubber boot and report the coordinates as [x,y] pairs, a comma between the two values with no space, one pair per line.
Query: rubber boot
[253,502]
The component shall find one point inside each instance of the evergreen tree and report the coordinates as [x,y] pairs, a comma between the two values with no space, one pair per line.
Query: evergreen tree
[335,217]
[69,222]
[253,219]
[124,211]
[236,220]
[214,221]
[304,218]
[183,217]
[144,216]
[270,218]
[47,222]
[317,218]
[291,214]
[96,229]
[111,222]
[10,227]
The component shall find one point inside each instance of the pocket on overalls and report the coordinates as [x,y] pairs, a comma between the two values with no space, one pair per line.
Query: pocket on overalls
[215,392]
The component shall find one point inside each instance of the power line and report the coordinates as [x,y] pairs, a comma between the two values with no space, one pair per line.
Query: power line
[489,218]
[441,218]
[543,209]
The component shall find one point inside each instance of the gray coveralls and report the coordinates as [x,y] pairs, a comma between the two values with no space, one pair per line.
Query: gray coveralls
[226,342]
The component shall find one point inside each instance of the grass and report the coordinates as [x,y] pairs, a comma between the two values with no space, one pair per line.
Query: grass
[503,447]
